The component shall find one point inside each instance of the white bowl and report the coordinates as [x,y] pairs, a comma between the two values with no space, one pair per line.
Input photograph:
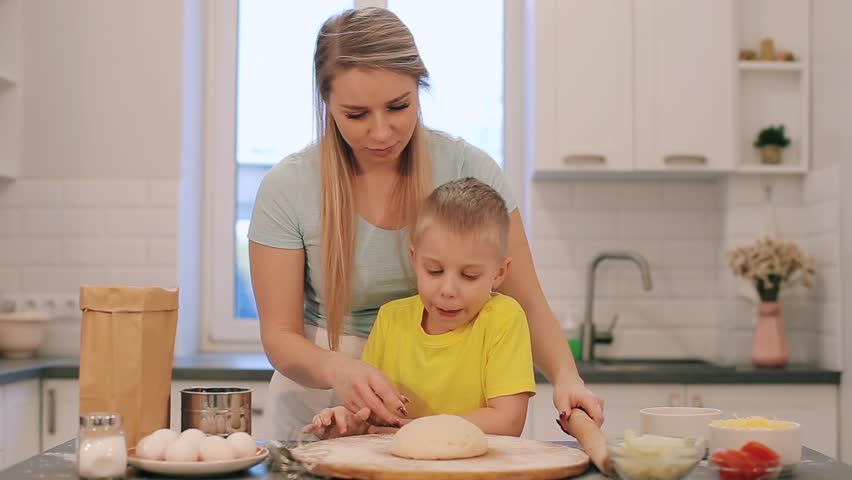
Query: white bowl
[21,333]
[786,442]
[685,422]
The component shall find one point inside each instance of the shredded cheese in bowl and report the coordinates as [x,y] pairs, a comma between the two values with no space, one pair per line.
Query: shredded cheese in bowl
[753,423]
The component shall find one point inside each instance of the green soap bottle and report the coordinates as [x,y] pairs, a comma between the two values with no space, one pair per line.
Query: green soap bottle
[576,347]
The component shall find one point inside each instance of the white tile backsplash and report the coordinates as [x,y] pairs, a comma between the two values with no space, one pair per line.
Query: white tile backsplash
[693,196]
[10,222]
[63,279]
[149,222]
[163,192]
[31,193]
[105,193]
[622,196]
[685,229]
[56,221]
[162,252]
[104,251]
[58,235]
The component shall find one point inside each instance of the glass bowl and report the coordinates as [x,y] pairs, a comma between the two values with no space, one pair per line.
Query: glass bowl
[672,464]
[733,473]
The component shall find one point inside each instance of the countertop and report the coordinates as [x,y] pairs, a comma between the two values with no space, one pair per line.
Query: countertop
[58,463]
[255,367]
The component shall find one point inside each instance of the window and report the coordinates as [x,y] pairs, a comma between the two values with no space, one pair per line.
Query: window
[262,110]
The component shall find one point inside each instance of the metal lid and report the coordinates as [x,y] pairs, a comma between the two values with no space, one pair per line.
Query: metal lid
[100,419]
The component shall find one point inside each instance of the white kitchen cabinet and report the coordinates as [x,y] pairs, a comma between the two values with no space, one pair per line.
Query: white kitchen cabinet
[622,405]
[584,99]
[625,86]
[260,428]
[685,84]
[60,415]
[19,412]
[10,89]
[815,407]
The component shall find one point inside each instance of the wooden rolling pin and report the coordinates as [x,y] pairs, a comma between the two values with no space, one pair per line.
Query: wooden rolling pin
[590,437]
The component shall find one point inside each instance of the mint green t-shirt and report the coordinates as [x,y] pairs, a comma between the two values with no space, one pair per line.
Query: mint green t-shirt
[287,215]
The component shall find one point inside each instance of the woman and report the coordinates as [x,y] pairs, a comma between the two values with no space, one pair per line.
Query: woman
[329,227]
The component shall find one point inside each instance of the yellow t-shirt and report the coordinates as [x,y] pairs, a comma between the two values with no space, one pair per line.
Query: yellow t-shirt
[458,371]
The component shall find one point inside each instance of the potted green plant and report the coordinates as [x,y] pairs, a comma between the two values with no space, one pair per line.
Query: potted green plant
[770,141]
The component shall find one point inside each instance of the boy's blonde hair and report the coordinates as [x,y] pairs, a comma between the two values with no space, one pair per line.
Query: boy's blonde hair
[370,39]
[466,206]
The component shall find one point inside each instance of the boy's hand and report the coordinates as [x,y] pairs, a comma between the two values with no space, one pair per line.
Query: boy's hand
[338,422]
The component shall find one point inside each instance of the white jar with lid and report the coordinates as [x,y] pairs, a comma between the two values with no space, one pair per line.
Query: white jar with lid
[101,446]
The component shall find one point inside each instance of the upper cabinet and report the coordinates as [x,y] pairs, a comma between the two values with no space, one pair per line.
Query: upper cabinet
[656,86]
[10,91]
[584,92]
[685,84]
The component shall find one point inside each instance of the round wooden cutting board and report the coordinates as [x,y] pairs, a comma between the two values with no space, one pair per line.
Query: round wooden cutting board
[366,457]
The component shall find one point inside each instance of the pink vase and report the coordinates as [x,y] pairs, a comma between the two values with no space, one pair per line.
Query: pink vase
[769,348]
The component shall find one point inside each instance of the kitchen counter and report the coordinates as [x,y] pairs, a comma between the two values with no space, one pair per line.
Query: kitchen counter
[58,464]
[255,367]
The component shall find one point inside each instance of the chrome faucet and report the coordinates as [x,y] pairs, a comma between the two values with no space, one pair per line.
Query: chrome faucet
[588,334]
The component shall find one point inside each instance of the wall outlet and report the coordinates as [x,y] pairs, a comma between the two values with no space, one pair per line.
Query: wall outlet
[59,305]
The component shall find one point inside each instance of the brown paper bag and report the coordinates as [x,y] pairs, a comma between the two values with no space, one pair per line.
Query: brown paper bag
[127,343]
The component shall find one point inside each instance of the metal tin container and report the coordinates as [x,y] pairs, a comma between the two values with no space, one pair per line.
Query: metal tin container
[216,410]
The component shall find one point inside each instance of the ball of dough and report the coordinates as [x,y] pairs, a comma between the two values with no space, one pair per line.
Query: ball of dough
[215,448]
[183,449]
[439,437]
[243,444]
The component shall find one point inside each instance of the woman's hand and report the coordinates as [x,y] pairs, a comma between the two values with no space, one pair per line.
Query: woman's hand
[358,385]
[338,422]
[574,394]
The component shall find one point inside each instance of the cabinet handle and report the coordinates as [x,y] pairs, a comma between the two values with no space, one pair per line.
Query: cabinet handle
[674,400]
[584,159]
[256,411]
[697,401]
[685,160]
[51,411]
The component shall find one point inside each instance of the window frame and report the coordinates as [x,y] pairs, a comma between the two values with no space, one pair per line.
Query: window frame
[220,330]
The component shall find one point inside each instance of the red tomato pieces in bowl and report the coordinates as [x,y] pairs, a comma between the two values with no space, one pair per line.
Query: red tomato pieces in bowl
[753,461]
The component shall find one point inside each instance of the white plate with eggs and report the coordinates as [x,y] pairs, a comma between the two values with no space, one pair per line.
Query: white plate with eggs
[192,453]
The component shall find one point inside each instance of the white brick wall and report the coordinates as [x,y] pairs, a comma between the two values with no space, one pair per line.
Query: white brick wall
[676,225]
[806,211]
[58,234]
[683,228]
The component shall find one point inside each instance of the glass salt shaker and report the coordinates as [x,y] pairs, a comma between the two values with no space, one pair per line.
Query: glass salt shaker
[101,446]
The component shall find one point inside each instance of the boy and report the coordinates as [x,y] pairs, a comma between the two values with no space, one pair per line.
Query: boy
[456,347]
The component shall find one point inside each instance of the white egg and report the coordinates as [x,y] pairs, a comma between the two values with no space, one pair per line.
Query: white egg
[166,433]
[183,450]
[153,447]
[243,444]
[215,448]
[193,433]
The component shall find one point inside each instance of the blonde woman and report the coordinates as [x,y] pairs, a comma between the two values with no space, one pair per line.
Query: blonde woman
[329,230]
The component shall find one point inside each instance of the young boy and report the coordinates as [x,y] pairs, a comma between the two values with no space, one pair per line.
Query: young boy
[456,347]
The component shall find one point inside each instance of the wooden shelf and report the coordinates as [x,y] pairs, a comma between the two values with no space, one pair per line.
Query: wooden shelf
[758,66]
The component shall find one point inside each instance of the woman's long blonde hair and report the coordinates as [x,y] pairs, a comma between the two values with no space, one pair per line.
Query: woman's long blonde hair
[371,39]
